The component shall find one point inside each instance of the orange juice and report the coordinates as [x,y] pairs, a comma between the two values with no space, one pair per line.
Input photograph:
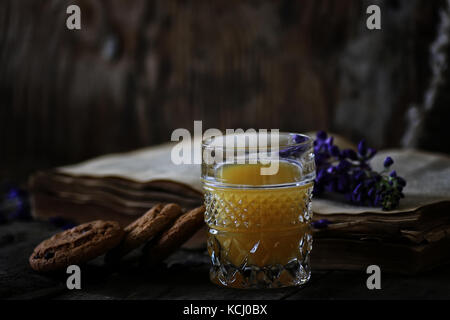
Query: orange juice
[258,226]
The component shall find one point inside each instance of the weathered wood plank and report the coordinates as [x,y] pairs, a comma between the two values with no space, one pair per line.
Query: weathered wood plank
[17,241]
[144,68]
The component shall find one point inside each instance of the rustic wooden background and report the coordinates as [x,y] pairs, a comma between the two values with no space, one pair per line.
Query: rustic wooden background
[139,69]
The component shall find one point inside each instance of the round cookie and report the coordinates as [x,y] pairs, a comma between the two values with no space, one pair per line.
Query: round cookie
[75,246]
[183,229]
[145,228]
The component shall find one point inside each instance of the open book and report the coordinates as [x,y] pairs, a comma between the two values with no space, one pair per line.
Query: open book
[123,186]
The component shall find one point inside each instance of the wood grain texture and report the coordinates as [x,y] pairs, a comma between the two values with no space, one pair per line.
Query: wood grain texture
[139,69]
[184,277]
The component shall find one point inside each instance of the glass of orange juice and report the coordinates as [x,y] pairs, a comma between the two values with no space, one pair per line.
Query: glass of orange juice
[258,208]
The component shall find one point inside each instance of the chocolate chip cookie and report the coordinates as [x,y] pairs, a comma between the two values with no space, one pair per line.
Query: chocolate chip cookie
[182,229]
[145,228]
[75,246]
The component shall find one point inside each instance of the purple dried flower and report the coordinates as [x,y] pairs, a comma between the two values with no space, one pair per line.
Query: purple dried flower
[320,158]
[331,170]
[334,151]
[359,175]
[357,189]
[359,198]
[331,186]
[343,182]
[349,172]
[321,173]
[350,154]
[343,165]
[388,162]
[13,194]
[329,141]
[370,182]
[14,203]
[362,147]
[377,200]
[401,181]
[322,135]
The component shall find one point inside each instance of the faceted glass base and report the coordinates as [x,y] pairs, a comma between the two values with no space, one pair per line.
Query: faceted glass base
[260,259]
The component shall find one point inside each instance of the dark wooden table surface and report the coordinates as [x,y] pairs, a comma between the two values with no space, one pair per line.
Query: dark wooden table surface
[184,276]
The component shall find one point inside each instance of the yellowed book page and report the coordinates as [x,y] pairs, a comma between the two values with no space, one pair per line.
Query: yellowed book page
[144,165]
[427,175]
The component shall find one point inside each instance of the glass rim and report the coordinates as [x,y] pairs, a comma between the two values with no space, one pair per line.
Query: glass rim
[207,143]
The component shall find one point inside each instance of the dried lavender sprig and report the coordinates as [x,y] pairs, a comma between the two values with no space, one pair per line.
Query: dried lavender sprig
[349,172]
[14,204]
